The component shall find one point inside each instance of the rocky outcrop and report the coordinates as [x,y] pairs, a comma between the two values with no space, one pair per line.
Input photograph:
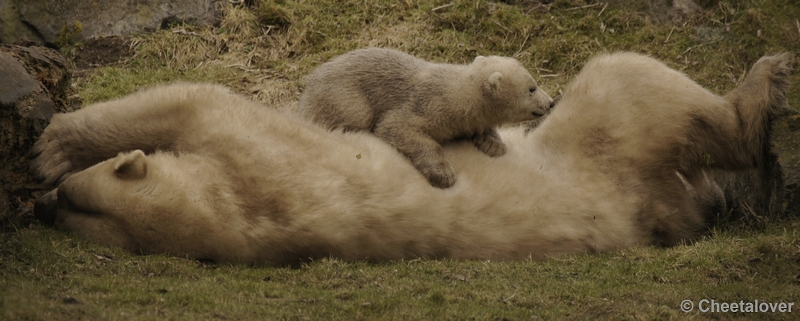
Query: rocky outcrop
[58,22]
[12,29]
[34,84]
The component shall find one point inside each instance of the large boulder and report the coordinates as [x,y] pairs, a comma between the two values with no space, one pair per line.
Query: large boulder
[57,22]
[12,29]
[34,84]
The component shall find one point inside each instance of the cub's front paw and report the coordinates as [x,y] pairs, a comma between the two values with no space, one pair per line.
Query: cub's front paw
[441,175]
[489,143]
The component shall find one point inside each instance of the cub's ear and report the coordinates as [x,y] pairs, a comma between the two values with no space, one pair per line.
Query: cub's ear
[479,59]
[493,82]
[131,166]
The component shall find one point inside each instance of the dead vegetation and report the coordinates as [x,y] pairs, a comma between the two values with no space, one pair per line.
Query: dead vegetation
[263,49]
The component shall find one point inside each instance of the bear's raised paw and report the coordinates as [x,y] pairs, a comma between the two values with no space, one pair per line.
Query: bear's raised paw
[50,161]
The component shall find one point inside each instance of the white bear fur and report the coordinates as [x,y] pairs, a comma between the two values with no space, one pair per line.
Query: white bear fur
[229,180]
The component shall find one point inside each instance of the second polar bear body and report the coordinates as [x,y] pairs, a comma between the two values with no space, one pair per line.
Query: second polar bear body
[415,105]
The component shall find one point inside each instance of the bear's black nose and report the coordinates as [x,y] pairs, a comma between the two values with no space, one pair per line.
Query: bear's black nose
[46,206]
[552,103]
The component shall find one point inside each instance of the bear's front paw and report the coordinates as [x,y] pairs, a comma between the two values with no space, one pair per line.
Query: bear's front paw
[49,161]
[489,144]
[441,175]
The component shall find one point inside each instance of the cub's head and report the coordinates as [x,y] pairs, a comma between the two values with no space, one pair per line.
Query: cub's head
[512,89]
[133,201]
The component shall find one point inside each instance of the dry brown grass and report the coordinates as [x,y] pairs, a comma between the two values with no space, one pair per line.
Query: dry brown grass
[264,50]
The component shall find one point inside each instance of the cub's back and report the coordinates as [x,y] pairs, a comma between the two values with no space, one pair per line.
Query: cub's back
[352,89]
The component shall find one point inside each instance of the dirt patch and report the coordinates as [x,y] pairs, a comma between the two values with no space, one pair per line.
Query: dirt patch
[102,51]
[666,11]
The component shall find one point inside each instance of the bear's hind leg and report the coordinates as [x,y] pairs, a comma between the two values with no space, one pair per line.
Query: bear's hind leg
[735,137]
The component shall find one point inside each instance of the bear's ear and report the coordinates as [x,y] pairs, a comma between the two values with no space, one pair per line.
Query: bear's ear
[479,59]
[493,83]
[131,166]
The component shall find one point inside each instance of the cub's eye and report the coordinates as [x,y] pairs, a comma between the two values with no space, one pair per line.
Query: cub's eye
[532,90]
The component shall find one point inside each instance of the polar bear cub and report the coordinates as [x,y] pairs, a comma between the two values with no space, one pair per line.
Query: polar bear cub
[415,105]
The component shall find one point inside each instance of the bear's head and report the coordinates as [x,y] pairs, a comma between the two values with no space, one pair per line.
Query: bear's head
[511,89]
[140,203]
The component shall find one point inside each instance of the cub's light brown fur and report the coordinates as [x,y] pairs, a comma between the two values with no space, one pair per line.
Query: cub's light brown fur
[618,164]
[415,105]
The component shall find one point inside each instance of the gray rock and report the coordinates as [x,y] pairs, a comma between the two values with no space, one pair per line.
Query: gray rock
[12,29]
[34,84]
[78,20]
[16,83]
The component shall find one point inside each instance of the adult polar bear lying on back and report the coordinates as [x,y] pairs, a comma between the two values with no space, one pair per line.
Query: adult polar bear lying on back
[617,164]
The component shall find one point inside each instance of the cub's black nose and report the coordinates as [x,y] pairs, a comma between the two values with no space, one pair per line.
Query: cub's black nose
[552,103]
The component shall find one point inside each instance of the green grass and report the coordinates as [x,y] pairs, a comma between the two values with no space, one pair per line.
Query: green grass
[51,275]
[264,51]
